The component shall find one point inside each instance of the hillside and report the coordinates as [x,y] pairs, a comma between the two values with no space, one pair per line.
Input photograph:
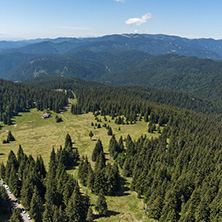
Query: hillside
[81,64]
[173,72]
[167,97]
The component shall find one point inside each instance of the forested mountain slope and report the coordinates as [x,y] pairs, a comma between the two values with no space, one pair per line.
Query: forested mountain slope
[200,76]
[167,97]
[18,97]
[82,64]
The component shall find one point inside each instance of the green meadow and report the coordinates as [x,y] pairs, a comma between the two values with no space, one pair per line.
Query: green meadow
[37,136]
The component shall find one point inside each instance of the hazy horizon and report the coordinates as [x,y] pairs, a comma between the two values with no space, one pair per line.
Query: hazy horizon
[79,19]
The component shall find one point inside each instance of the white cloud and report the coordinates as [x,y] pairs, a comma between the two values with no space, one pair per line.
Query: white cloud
[139,21]
[120,1]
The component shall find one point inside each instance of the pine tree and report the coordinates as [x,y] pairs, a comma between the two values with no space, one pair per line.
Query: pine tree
[156,208]
[27,191]
[68,142]
[110,132]
[146,118]
[2,171]
[121,145]
[101,205]
[100,162]
[10,137]
[16,217]
[90,179]
[36,206]
[11,162]
[90,216]
[113,146]
[4,201]
[20,154]
[99,181]
[48,213]
[74,207]
[14,182]
[91,134]
[68,189]
[97,150]
[83,171]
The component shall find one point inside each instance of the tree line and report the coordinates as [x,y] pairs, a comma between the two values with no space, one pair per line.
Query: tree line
[18,97]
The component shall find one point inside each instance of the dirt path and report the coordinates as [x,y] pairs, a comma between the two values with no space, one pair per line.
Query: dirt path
[6,131]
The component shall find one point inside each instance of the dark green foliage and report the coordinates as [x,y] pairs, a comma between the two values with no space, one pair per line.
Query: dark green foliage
[18,97]
[114,147]
[10,137]
[90,215]
[48,214]
[101,205]
[76,109]
[97,150]
[5,141]
[68,189]
[48,196]
[2,171]
[14,182]
[58,119]
[99,181]
[83,170]
[4,201]
[90,179]
[91,134]
[36,206]
[11,164]
[110,132]
[16,217]
[75,207]
[68,155]
[112,179]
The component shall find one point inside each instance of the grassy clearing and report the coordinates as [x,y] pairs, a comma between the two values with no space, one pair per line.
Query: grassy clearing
[37,137]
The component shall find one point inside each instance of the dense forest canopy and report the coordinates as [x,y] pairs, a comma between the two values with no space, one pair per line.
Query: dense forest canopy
[173,98]
[17,97]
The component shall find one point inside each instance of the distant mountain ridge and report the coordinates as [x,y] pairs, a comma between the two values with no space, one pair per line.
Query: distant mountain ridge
[152,44]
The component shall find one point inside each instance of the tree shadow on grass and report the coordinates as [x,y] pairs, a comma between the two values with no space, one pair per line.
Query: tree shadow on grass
[123,189]
[108,214]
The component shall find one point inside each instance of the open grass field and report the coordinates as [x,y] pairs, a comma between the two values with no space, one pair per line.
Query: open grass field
[37,136]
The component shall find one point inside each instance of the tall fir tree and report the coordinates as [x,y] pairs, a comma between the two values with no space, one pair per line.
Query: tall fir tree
[97,150]
[16,216]
[101,205]
[36,206]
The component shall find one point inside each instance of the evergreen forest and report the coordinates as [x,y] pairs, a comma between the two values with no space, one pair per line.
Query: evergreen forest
[174,168]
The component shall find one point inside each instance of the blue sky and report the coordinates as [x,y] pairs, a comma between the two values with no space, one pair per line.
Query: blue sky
[28,19]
